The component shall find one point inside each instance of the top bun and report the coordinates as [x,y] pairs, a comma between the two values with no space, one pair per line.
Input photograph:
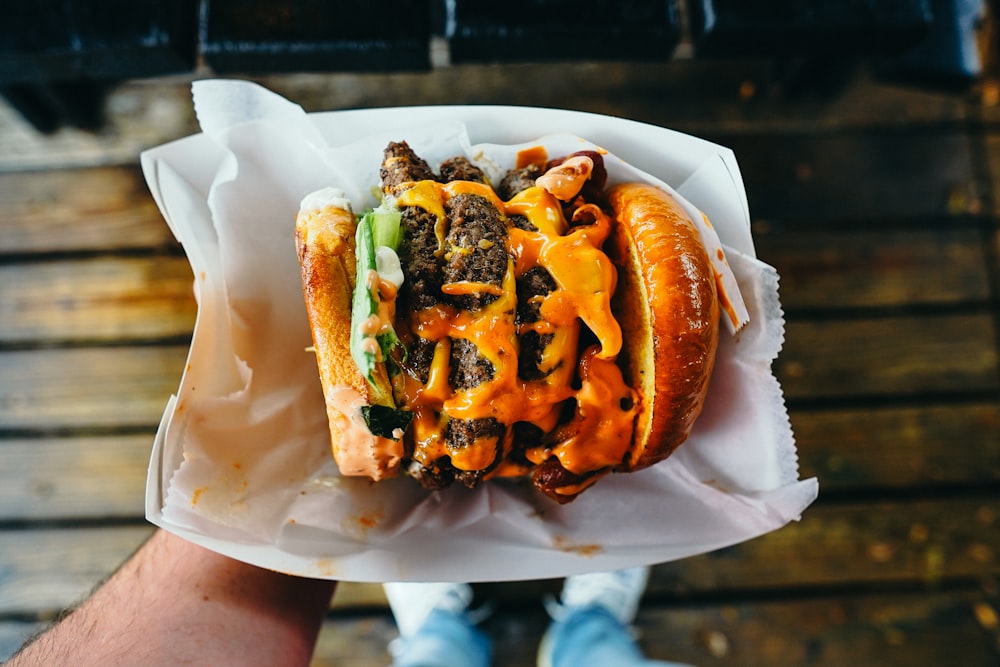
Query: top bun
[668,306]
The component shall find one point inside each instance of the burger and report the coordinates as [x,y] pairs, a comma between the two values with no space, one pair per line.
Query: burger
[549,326]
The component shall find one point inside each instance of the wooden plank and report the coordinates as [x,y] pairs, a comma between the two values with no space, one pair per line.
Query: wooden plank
[992,146]
[878,544]
[875,268]
[850,175]
[47,570]
[139,115]
[98,299]
[927,629]
[708,97]
[888,356]
[754,95]
[107,208]
[71,388]
[362,641]
[73,478]
[911,543]
[899,447]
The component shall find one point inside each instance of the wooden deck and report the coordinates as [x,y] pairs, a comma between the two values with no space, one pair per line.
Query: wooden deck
[878,204]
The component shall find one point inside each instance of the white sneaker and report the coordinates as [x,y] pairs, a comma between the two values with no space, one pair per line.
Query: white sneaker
[619,592]
[412,603]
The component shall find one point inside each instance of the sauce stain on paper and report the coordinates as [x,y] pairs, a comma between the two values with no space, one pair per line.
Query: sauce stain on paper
[563,544]
[325,568]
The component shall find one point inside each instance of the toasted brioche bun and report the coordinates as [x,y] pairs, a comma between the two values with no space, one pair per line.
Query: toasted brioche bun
[669,311]
[325,243]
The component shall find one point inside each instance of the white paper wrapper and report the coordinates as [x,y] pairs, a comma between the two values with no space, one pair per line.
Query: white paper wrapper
[241,462]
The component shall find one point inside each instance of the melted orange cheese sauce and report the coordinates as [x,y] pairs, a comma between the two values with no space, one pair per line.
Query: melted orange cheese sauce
[585,278]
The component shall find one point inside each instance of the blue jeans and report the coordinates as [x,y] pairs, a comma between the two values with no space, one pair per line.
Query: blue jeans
[591,636]
[584,637]
[444,640]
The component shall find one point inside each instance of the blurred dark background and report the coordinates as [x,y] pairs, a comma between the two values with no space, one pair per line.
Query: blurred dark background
[58,58]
